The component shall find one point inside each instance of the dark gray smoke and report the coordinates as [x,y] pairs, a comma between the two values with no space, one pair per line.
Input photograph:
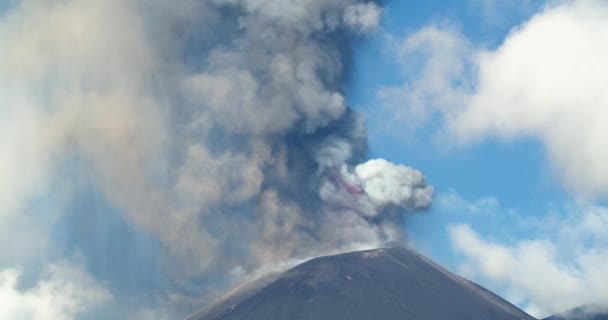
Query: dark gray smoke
[218,126]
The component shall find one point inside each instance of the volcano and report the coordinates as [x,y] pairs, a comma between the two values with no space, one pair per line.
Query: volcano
[387,284]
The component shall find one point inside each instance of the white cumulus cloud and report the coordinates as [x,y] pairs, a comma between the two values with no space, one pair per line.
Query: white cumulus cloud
[546,81]
[561,267]
[391,185]
[62,294]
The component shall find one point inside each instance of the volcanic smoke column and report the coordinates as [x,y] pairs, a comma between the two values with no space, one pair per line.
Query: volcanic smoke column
[218,126]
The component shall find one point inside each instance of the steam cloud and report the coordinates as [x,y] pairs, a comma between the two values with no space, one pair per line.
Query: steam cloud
[219,126]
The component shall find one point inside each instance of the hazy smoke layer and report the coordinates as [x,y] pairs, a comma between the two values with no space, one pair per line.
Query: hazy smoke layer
[220,126]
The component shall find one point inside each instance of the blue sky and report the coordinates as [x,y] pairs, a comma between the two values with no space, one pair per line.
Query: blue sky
[505,189]
[514,172]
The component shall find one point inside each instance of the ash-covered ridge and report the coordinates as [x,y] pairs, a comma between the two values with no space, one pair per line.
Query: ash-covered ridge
[390,283]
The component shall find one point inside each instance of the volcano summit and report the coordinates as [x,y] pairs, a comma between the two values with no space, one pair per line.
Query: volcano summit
[388,284]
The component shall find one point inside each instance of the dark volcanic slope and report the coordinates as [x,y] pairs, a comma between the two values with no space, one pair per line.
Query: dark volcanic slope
[603,316]
[385,284]
[588,312]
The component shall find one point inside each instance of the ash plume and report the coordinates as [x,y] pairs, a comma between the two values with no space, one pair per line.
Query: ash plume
[218,126]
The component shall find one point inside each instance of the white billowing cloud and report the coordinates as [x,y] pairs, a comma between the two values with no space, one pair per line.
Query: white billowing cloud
[563,266]
[376,188]
[390,185]
[363,17]
[62,294]
[546,81]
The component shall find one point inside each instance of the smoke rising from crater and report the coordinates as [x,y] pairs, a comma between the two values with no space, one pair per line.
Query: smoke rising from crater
[218,126]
